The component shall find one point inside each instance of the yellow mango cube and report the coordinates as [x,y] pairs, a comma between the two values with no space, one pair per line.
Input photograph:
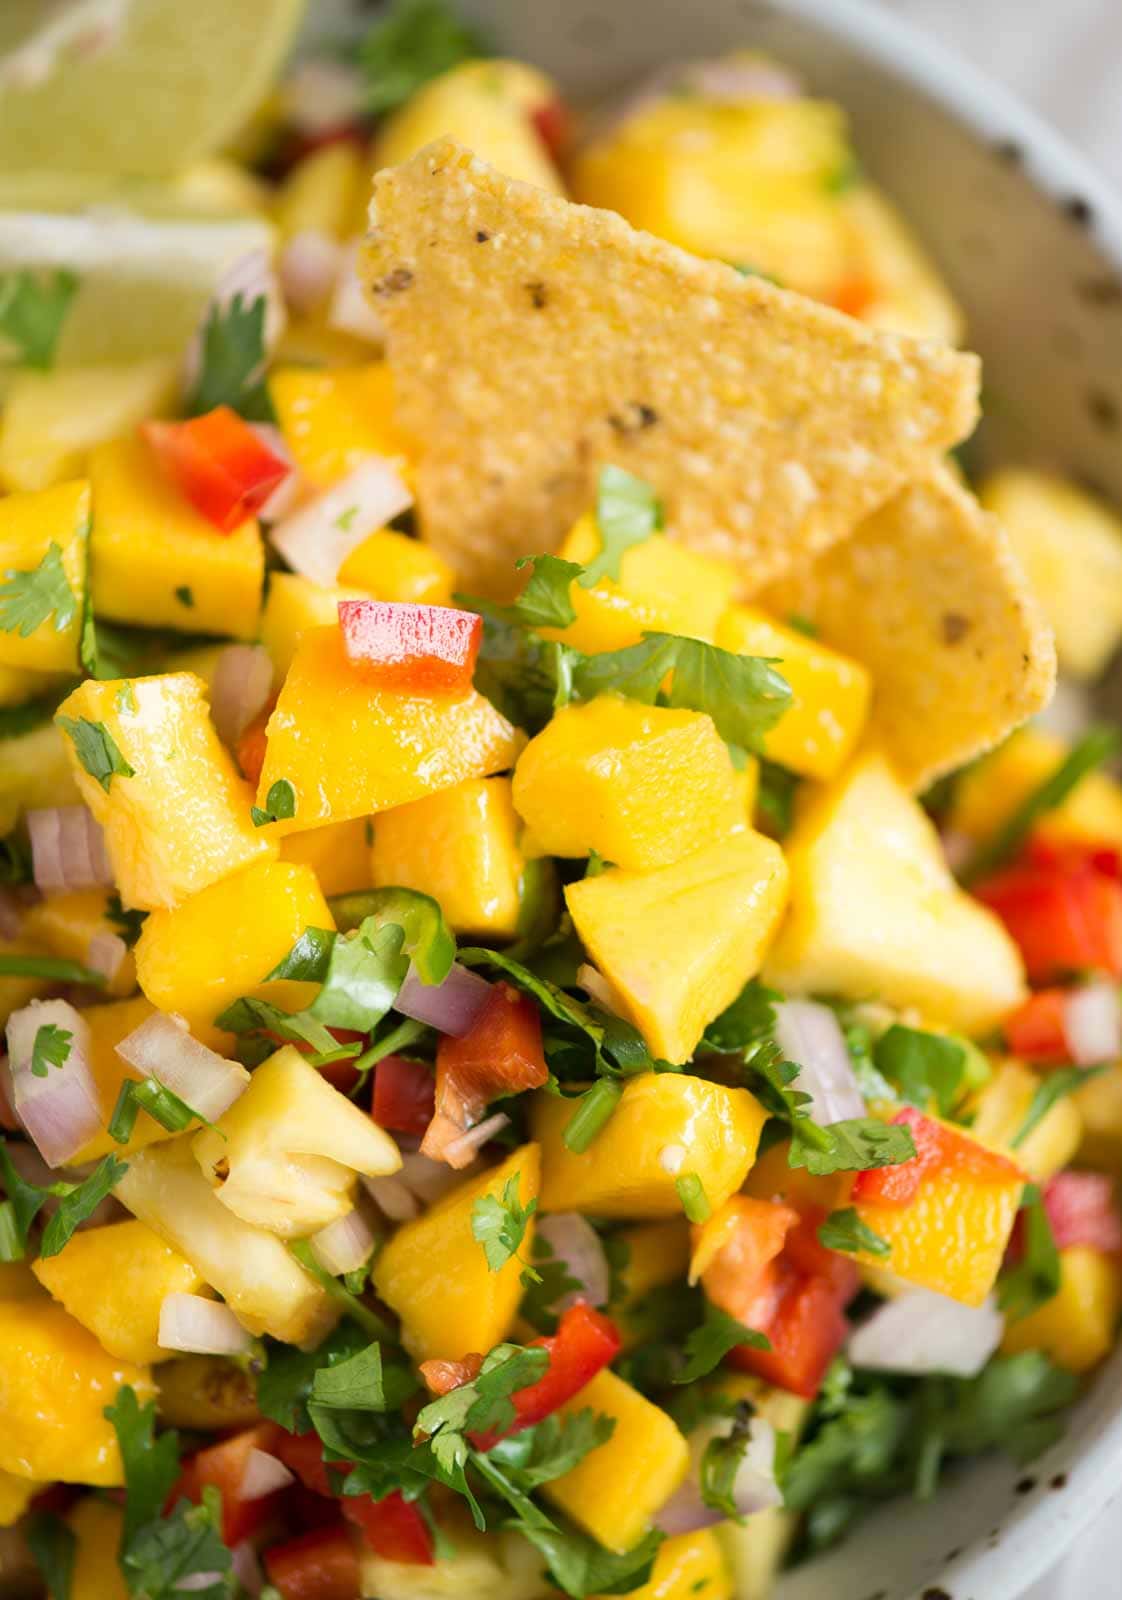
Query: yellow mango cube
[338,854]
[332,419]
[96,1575]
[687,1565]
[292,606]
[662,587]
[222,944]
[108,1025]
[1076,1327]
[65,924]
[989,791]
[16,1495]
[113,1281]
[1001,1108]
[667,1124]
[52,420]
[643,785]
[678,944]
[392,566]
[617,1489]
[920,940]
[18,686]
[16,992]
[773,1178]
[434,1274]
[349,749]
[253,1271]
[157,562]
[44,534]
[325,192]
[179,821]
[55,1381]
[35,771]
[820,728]
[461,847]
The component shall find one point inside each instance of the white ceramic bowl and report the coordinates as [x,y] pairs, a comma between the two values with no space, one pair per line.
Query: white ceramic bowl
[1031,241]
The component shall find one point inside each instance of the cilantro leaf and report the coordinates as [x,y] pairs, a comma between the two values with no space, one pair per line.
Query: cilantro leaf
[249,1015]
[77,1201]
[720,1463]
[33,308]
[545,601]
[427,940]
[1051,1089]
[637,671]
[552,1447]
[627,513]
[581,1567]
[709,1344]
[50,1048]
[362,1382]
[231,371]
[97,750]
[58,968]
[169,1556]
[858,1144]
[53,1546]
[844,1230]
[364,973]
[280,803]
[749,1019]
[18,1212]
[284,1387]
[417,40]
[924,1066]
[151,1464]
[499,1225]
[551,1282]
[308,959]
[30,598]
[744,695]
[127,923]
[1036,1279]
[80,1202]
[482,1405]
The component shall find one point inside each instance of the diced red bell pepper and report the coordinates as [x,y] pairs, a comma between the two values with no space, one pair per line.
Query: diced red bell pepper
[299,1510]
[1082,1209]
[737,1274]
[552,122]
[223,1465]
[404,1095]
[586,1341]
[806,1331]
[1037,1031]
[501,1053]
[808,1255]
[854,296]
[251,746]
[302,1453]
[441,1377]
[321,1565]
[420,649]
[938,1149]
[1067,855]
[1063,909]
[393,1527]
[219,463]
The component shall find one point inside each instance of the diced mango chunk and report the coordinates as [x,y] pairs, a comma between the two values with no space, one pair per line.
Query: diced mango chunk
[643,785]
[666,1124]
[34,771]
[113,1280]
[46,534]
[349,749]
[678,944]
[331,420]
[325,192]
[180,820]
[55,1381]
[97,1575]
[817,733]
[1001,1108]
[618,1488]
[65,924]
[1076,1327]
[222,944]
[918,940]
[1100,1108]
[392,566]
[435,1276]
[989,791]
[292,606]
[461,847]
[16,1494]
[157,562]
[338,854]
[108,1025]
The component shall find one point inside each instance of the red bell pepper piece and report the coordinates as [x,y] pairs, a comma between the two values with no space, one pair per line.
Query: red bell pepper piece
[217,461]
[737,1277]
[223,1465]
[441,1377]
[938,1149]
[321,1565]
[808,1255]
[420,649]
[404,1095]
[1037,1031]
[1082,1210]
[302,1453]
[251,746]
[552,122]
[1070,854]
[586,1341]
[392,1527]
[1063,909]
[806,1330]
[501,1054]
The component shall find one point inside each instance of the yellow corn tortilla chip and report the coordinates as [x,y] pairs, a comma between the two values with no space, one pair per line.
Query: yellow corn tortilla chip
[929,595]
[532,340]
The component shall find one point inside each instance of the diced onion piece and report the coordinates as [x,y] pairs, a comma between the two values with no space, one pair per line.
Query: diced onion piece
[754,1487]
[196,1582]
[686,1512]
[191,1323]
[453,1006]
[461,1152]
[250,277]
[263,1475]
[810,1035]
[309,269]
[1093,1023]
[60,1110]
[350,311]
[240,687]
[574,1241]
[393,1197]
[246,1567]
[67,850]
[162,1048]
[107,953]
[429,1180]
[317,539]
[922,1332]
[321,95]
[344,1244]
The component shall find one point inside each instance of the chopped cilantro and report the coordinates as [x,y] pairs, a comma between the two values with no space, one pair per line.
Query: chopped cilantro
[280,802]
[78,1202]
[182,1552]
[33,308]
[857,1144]
[53,1545]
[151,1464]
[57,968]
[844,1230]
[363,1381]
[580,1566]
[775,798]
[499,1225]
[127,923]
[747,1021]
[1036,1278]
[627,513]
[551,1282]
[231,372]
[416,40]
[710,1342]
[184,595]
[545,601]
[482,1405]
[285,1386]
[31,598]
[691,1192]
[552,1447]
[426,940]
[97,750]
[923,1066]
[720,1463]
[1051,1089]
[50,1048]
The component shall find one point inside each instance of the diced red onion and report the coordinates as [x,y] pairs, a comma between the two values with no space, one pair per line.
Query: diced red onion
[67,850]
[242,683]
[461,1152]
[921,1332]
[686,1512]
[246,1567]
[1093,1023]
[1082,1210]
[754,1487]
[309,269]
[316,539]
[321,95]
[575,1242]
[289,489]
[263,1475]
[421,1182]
[61,1111]
[251,275]
[195,1582]
[201,1327]
[344,1244]
[107,953]
[810,1035]
[393,1197]
[453,1006]
[350,311]
[162,1048]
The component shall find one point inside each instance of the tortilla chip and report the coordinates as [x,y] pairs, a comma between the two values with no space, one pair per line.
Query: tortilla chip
[532,340]
[930,596]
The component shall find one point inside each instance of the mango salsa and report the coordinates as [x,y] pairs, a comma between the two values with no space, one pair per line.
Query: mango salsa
[688,1564]
[43,555]
[1000,1111]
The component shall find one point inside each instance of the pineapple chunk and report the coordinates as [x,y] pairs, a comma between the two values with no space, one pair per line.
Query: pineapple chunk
[97,1525]
[616,1490]
[678,944]
[349,750]
[461,847]
[286,1153]
[1076,1327]
[392,566]
[16,1494]
[434,1274]
[817,733]
[34,772]
[989,791]
[113,1280]
[496,1565]
[221,944]
[251,1269]
[65,924]
[55,1381]
[157,562]
[1070,544]
[666,1124]
[179,821]
[338,854]
[919,940]
[49,526]
[292,606]
[52,420]
[205,1394]
[331,420]
[1001,1108]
